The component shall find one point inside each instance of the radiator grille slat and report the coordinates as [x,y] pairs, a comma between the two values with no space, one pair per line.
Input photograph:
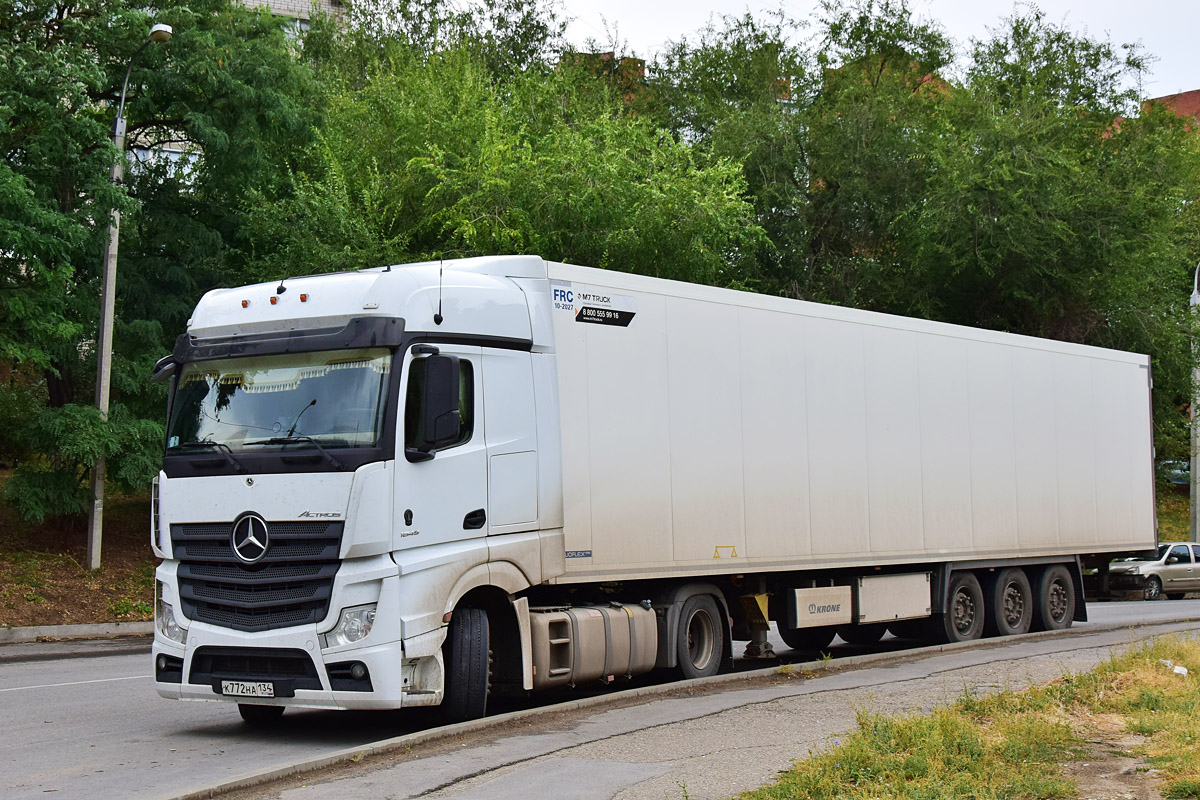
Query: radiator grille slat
[291,584]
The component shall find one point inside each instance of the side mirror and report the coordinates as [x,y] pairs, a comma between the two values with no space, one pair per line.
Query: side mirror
[441,419]
[1173,559]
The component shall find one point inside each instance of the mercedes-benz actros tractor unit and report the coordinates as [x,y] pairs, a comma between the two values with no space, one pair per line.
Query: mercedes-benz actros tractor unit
[426,484]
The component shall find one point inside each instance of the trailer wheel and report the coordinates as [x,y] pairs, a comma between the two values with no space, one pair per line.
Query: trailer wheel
[1153,588]
[466,654]
[963,618]
[260,716]
[807,638]
[862,634]
[909,628]
[1054,599]
[1010,603]
[700,641]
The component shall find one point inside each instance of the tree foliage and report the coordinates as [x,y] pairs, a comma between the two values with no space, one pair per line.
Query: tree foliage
[853,159]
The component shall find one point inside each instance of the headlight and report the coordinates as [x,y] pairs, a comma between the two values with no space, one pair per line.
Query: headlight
[168,626]
[1135,570]
[353,626]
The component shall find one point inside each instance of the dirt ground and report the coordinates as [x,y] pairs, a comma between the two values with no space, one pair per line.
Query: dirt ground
[43,575]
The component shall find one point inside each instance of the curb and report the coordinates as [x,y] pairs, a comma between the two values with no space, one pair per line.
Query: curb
[356,754]
[103,630]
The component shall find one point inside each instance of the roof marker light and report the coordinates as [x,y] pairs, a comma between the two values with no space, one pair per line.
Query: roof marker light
[274,299]
[245,304]
[304,298]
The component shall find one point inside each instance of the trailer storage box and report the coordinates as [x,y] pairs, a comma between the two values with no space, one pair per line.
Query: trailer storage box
[712,431]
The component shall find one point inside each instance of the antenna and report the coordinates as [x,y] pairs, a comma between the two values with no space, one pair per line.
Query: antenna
[437,318]
[280,289]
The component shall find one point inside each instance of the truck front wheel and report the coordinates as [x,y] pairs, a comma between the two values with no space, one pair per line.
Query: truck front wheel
[466,654]
[700,641]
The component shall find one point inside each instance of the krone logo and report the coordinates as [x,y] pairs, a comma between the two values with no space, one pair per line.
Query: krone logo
[250,538]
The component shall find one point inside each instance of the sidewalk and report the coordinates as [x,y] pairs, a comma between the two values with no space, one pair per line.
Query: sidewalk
[693,745]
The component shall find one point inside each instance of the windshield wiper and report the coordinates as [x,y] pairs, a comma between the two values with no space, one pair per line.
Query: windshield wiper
[333,462]
[221,447]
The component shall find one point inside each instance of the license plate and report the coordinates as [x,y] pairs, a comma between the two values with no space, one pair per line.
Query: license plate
[248,688]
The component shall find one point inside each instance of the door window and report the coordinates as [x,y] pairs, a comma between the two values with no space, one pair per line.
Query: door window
[414,419]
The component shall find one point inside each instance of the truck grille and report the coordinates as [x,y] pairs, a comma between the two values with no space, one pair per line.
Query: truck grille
[290,585]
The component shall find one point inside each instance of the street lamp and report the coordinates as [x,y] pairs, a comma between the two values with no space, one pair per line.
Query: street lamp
[108,292]
[1194,461]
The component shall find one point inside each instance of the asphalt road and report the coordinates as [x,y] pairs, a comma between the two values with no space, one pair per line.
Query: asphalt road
[89,724]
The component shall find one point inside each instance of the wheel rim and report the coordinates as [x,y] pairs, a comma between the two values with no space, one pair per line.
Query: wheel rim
[1058,601]
[1014,605]
[1152,589]
[964,611]
[701,639]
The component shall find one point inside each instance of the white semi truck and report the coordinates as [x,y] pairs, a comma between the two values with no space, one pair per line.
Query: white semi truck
[423,484]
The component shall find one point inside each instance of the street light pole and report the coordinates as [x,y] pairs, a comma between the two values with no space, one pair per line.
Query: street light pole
[108,296]
[1194,416]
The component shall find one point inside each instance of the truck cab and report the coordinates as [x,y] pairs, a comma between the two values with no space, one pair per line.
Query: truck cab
[349,456]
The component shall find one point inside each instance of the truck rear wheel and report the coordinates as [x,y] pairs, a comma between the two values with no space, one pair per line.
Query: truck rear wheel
[700,641]
[1054,599]
[862,634]
[963,618]
[466,654]
[807,638]
[260,716]
[1010,603]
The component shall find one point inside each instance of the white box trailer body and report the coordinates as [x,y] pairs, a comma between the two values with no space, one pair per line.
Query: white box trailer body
[378,483]
[712,430]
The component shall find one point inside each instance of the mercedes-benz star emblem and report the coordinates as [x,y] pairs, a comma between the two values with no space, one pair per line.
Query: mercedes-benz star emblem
[250,538]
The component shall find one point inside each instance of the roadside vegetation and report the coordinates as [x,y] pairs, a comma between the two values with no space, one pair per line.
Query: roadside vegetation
[858,157]
[43,577]
[1134,721]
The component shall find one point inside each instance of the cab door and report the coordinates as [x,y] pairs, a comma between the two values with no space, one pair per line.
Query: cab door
[441,495]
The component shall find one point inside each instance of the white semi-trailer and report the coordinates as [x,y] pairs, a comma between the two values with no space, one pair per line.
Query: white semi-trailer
[425,484]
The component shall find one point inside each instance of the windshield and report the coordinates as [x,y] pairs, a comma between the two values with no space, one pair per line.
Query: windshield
[330,399]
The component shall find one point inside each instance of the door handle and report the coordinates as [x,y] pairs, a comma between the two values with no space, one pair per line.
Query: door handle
[476,519]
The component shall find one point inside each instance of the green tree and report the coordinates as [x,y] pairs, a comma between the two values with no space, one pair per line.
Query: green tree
[435,158]
[229,91]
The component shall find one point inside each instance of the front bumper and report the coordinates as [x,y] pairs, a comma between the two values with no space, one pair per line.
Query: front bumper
[293,660]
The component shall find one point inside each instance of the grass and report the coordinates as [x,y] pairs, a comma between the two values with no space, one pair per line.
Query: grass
[1014,744]
[1172,513]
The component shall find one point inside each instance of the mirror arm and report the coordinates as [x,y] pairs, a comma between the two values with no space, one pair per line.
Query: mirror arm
[414,456]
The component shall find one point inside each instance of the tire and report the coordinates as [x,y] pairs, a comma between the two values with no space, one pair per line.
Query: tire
[1153,589]
[807,638]
[1175,595]
[1054,599]
[1010,603]
[260,716]
[909,628]
[862,634]
[700,639]
[963,618]
[466,654]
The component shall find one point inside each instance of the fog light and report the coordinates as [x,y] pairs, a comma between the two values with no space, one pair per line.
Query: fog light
[168,626]
[353,626]
[358,671]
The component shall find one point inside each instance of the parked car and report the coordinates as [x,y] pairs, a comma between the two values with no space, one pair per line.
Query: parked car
[1176,473]
[1174,571]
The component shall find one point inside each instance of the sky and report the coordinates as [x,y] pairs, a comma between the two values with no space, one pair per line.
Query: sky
[1166,29]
